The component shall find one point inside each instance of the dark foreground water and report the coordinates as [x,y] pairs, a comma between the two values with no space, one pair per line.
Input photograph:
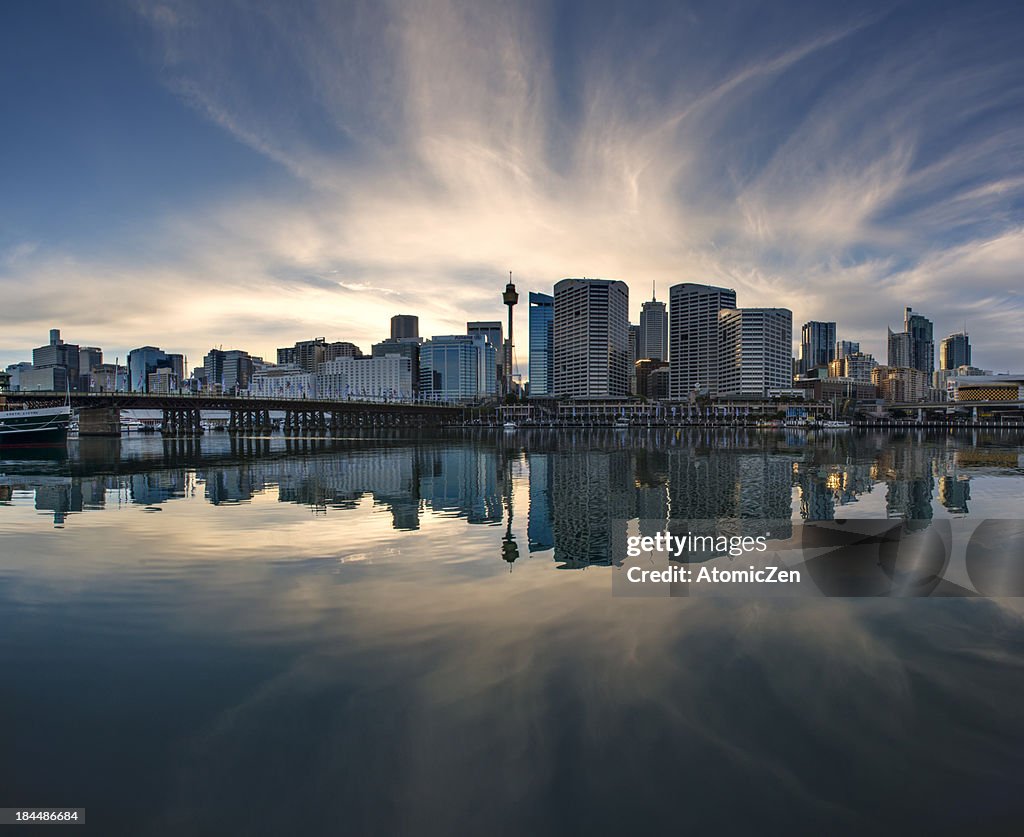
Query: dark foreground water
[416,635]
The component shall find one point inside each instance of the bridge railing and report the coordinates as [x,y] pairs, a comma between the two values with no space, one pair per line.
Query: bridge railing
[246,399]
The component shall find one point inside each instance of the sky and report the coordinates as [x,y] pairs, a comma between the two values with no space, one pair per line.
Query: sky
[194,174]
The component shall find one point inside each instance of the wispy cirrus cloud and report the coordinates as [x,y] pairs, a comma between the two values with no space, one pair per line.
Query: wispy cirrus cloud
[844,164]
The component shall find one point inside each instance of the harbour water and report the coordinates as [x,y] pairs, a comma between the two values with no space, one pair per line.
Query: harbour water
[415,633]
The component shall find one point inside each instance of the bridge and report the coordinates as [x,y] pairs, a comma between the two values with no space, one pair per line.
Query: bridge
[99,413]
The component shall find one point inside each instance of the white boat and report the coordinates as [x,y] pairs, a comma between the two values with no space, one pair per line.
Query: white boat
[511,425]
[835,425]
[621,423]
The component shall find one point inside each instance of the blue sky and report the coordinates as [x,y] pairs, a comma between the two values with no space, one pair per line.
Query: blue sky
[191,174]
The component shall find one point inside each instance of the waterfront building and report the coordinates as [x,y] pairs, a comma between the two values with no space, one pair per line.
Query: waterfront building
[458,367]
[817,345]
[283,381]
[381,378]
[653,337]
[46,379]
[988,388]
[756,351]
[405,327]
[913,347]
[652,379]
[837,389]
[542,349]
[694,341]
[591,338]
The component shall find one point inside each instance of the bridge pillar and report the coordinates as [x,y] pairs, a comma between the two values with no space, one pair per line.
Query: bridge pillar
[99,421]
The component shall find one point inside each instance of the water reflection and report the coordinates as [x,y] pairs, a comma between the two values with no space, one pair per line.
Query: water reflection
[581,487]
[323,637]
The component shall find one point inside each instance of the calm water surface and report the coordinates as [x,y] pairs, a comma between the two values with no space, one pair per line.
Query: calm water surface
[415,634]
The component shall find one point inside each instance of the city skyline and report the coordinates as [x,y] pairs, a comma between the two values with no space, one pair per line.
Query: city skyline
[175,185]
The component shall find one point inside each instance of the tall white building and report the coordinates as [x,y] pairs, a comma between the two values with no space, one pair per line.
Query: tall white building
[694,337]
[382,378]
[591,338]
[756,351]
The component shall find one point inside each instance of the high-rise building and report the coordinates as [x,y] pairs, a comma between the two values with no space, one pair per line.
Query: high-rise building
[494,332]
[756,351]
[694,342]
[653,331]
[405,326]
[144,361]
[408,347]
[817,345]
[634,356]
[591,338]
[333,351]
[913,347]
[955,351]
[88,359]
[542,349]
[229,370]
[58,353]
[458,367]
[846,347]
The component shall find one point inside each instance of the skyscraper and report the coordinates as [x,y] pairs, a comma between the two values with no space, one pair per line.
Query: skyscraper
[653,331]
[757,351]
[458,367]
[955,351]
[913,347]
[494,332]
[591,338]
[58,354]
[817,345]
[542,350]
[694,337]
[404,326]
[846,347]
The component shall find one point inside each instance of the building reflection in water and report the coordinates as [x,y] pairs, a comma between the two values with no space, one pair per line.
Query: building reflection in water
[582,487]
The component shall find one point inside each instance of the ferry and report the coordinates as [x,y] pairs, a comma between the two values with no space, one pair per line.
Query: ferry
[40,427]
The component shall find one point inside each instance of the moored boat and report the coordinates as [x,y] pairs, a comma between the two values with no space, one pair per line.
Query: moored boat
[40,427]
